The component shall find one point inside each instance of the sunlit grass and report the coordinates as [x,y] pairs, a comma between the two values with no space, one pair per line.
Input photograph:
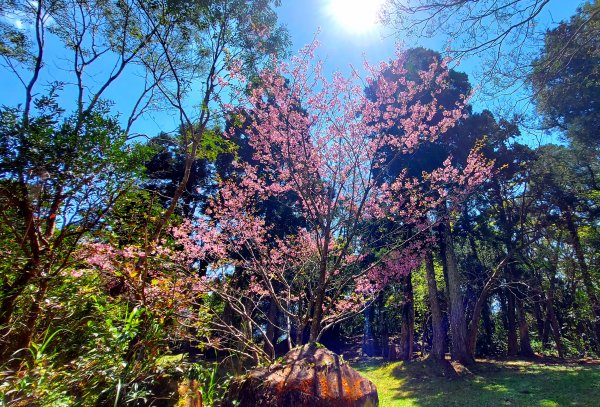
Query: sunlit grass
[491,383]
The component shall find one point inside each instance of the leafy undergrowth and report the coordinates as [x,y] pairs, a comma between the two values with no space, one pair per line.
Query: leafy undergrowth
[490,383]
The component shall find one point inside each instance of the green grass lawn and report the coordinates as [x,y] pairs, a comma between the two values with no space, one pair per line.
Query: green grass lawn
[490,383]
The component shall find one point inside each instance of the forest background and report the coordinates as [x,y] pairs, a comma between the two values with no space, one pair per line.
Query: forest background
[177,190]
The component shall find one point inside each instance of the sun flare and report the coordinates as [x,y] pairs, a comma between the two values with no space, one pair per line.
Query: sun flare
[356,16]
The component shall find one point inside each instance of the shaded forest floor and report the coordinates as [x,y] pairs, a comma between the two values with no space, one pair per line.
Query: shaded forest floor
[543,382]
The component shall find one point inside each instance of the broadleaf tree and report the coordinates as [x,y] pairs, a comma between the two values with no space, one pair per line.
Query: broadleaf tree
[321,140]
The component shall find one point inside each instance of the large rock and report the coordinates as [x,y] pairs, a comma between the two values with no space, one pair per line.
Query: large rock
[309,376]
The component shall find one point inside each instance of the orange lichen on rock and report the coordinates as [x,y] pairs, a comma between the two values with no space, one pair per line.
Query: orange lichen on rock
[309,376]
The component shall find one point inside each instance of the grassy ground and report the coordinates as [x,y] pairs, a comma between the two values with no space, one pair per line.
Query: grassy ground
[491,383]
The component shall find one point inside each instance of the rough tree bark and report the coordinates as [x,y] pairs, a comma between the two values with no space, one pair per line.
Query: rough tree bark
[272,330]
[439,334]
[458,325]
[524,341]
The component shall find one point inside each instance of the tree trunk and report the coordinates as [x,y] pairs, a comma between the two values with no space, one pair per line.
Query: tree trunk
[383,327]
[272,330]
[473,330]
[525,343]
[585,274]
[10,295]
[511,327]
[482,302]
[317,315]
[551,315]
[540,307]
[538,314]
[546,333]
[458,326]
[439,335]
[488,329]
[407,329]
[368,345]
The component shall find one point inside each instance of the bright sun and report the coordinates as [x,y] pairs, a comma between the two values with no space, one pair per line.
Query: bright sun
[356,16]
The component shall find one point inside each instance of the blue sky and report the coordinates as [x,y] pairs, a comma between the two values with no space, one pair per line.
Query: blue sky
[304,17]
[339,45]
[340,48]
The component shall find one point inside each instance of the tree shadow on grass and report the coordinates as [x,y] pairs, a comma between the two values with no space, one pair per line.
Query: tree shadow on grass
[489,383]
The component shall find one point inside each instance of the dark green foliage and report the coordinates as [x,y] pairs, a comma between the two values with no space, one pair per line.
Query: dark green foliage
[566,77]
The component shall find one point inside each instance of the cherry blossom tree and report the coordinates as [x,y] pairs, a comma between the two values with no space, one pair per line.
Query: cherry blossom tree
[320,141]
